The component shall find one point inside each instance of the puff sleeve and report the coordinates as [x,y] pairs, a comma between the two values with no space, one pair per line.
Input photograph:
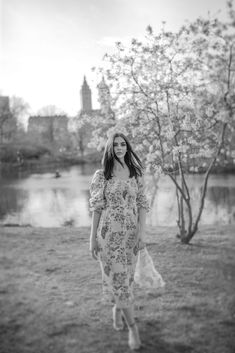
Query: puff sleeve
[141,199]
[97,200]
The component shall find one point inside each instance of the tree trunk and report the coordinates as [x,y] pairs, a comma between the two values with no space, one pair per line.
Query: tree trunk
[204,188]
[182,219]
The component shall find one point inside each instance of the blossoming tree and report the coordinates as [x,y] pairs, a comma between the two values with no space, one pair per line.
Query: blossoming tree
[175,93]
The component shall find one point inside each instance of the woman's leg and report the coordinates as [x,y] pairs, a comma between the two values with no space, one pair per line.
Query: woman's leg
[117,318]
[134,339]
[129,315]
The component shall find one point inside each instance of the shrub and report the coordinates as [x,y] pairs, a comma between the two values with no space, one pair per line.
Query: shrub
[8,152]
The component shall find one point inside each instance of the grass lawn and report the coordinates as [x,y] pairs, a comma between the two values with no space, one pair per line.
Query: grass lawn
[50,294]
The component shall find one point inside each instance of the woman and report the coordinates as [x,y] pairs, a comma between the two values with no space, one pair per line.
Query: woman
[118,227]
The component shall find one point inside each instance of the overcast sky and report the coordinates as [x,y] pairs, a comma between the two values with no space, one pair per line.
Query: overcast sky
[47,46]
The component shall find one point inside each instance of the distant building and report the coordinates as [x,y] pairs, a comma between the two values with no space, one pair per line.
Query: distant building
[85,94]
[8,125]
[4,104]
[104,99]
[49,129]
[84,134]
[55,129]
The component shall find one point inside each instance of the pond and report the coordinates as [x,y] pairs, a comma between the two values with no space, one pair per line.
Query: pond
[44,199]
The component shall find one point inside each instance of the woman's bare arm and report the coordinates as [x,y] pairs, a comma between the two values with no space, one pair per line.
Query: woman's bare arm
[94,225]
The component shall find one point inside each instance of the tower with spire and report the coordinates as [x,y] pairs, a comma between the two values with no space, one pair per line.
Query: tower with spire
[85,93]
[104,97]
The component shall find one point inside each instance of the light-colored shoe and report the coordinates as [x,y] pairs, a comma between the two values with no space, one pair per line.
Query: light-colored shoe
[134,339]
[117,319]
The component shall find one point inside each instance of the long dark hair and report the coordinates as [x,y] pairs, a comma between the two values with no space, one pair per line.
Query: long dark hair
[131,159]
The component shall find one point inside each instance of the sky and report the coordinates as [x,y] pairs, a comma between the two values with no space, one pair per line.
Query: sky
[47,46]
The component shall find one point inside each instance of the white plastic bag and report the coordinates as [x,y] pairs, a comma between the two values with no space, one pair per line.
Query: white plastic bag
[146,276]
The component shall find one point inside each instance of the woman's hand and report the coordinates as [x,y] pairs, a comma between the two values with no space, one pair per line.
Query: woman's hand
[141,244]
[94,248]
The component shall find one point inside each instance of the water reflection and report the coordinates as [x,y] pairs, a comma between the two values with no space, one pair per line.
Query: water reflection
[39,199]
[221,201]
[219,206]
[52,208]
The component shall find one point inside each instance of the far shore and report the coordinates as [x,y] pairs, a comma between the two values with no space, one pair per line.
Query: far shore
[51,298]
[47,162]
[70,159]
[35,164]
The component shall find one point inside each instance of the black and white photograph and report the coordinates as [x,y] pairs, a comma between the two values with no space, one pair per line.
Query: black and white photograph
[117,176]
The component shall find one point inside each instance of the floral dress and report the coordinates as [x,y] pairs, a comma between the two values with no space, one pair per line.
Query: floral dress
[118,201]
